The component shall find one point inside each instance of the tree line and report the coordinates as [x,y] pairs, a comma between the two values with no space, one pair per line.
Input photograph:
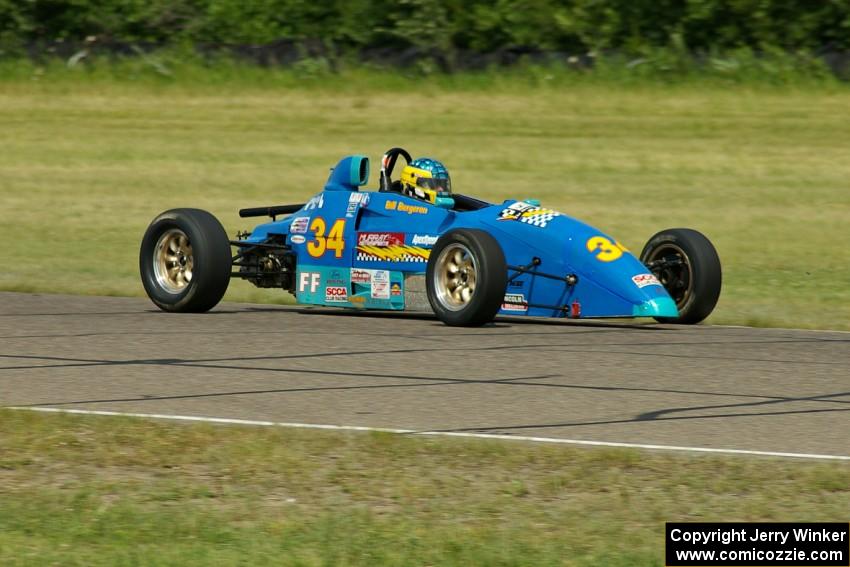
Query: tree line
[439,26]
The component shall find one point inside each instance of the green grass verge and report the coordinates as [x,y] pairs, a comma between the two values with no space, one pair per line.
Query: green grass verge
[118,492]
[87,159]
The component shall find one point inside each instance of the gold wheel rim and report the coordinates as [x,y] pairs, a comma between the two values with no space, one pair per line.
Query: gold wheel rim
[173,261]
[455,277]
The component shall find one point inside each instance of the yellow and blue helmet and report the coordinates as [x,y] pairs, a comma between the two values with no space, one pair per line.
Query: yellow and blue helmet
[426,179]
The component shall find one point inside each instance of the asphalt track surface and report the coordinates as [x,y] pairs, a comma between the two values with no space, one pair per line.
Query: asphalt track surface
[770,390]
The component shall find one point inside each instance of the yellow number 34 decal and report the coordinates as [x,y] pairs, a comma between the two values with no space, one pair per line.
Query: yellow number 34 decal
[321,244]
[604,249]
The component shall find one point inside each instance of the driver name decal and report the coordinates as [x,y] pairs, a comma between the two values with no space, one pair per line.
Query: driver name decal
[528,214]
[403,207]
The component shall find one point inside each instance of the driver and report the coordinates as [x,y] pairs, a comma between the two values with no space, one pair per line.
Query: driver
[426,179]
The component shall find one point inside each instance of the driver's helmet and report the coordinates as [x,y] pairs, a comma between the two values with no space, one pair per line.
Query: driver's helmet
[426,179]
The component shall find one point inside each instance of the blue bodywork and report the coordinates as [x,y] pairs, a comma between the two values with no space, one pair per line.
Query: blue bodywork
[369,250]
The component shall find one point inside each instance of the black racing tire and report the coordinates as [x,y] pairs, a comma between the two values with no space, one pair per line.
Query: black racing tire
[459,258]
[688,266]
[185,261]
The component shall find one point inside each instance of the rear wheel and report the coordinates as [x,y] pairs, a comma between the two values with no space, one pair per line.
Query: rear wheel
[688,267]
[466,278]
[184,261]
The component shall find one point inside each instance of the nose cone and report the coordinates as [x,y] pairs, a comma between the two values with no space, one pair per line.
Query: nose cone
[658,307]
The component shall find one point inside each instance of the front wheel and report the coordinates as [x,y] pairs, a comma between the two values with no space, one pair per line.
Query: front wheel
[184,261]
[688,267]
[466,278]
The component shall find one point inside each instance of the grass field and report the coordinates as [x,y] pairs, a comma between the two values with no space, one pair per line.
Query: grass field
[764,172]
[91,491]
[87,160]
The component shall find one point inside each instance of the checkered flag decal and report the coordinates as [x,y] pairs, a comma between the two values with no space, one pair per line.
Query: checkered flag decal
[527,213]
[538,219]
[365,257]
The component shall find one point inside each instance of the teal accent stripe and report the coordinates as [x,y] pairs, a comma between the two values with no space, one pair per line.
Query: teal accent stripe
[658,307]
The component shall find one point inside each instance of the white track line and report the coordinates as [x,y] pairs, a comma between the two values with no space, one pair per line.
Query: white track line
[439,433]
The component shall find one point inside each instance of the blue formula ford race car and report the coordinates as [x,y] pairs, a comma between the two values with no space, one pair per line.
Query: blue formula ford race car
[414,245]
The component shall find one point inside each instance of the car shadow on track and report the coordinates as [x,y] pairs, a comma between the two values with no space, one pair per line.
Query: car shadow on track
[500,322]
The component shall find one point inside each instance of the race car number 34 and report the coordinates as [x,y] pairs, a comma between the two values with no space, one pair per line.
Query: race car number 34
[321,243]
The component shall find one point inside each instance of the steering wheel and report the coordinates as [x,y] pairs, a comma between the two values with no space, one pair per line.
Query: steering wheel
[387,165]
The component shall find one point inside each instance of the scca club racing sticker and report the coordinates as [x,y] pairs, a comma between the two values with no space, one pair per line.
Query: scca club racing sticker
[643,280]
[528,214]
[336,294]
[388,247]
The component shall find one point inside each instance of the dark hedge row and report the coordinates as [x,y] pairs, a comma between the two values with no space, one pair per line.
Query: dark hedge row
[439,26]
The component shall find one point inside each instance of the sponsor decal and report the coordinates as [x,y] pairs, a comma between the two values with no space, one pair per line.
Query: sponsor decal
[575,310]
[395,289]
[361,276]
[297,239]
[380,239]
[515,302]
[388,247]
[355,200]
[380,284]
[359,198]
[335,278]
[309,280]
[316,202]
[380,290]
[357,299]
[516,284]
[371,277]
[643,280]
[528,214]
[299,225]
[334,294]
[424,240]
[403,207]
